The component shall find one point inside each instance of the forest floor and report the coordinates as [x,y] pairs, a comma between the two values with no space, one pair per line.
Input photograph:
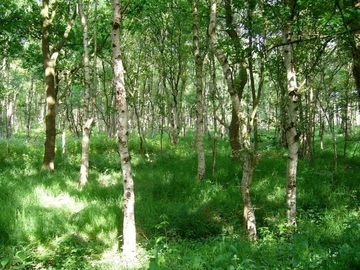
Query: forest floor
[47,222]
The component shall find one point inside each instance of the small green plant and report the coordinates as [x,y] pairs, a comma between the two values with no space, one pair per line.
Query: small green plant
[229,254]
[301,250]
[161,242]
[15,257]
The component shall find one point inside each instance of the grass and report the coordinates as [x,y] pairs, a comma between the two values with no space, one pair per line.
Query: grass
[47,222]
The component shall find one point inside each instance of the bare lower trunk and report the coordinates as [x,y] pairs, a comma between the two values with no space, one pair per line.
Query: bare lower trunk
[84,168]
[238,110]
[213,100]
[49,60]
[50,120]
[199,60]
[234,136]
[29,103]
[174,132]
[129,229]
[249,212]
[291,122]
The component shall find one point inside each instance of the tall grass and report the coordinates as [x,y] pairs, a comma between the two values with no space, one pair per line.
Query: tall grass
[47,222]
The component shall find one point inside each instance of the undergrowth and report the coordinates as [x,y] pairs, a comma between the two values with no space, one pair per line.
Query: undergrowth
[47,222]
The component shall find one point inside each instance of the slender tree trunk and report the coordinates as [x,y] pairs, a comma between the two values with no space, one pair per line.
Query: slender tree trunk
[291,124]
[2,104]
[356,52]
[29,103]
[63,139]
[174,120]
[10,99]
[213,98]
[129,229]
[199,62]
[139,130]
[95,69]
[310,125]
[3,100]
[49,60]
[49,65]
[234,135]
[247,155]
[87,120]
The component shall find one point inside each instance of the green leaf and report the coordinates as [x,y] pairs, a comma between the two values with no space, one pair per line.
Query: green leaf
[4,261]
[234,249]
[21,255]
[153,265]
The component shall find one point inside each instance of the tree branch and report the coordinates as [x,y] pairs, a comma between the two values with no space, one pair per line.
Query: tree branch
[67,31]
[126,6]
[318,37]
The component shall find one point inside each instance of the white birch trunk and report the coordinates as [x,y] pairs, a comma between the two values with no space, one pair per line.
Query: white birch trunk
[84,168]
[129,229]
[199,60]
[291,121]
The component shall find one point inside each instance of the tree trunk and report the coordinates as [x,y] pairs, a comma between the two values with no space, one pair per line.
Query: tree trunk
[356,53]
[129,229]
[199,61]
[87,120]
[291,123]
[174,119]
[29,103]
[49,60]
[3,99]
[234,136]
[247,154]
[49,65]
[213,91]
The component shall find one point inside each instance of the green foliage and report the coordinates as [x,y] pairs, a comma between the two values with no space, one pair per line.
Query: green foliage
[47,222]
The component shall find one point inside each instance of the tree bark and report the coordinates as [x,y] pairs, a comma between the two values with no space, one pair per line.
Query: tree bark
[129,229]
[49,60]
[199,61]
[29,103]
[291,121]
[87,120]
[356,54]
[247,153]
[213,91]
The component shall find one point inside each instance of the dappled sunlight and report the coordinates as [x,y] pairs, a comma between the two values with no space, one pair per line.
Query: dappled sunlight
[112,258]
[63,200]
[276,195]
[210,192]
[71,228]
[109,178]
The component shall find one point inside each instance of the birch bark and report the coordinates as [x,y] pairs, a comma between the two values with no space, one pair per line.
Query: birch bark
[84,168]
[291,121]
[129,229]
[199,60]
[246,153]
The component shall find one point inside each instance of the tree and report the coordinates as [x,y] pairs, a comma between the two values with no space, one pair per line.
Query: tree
[235,85]
[291,124]
[87,120]
[51,87]
[129,229]
[199,62]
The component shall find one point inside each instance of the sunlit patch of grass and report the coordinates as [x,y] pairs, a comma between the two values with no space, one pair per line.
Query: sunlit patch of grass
[109,178]
[63,200]
[276,195]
